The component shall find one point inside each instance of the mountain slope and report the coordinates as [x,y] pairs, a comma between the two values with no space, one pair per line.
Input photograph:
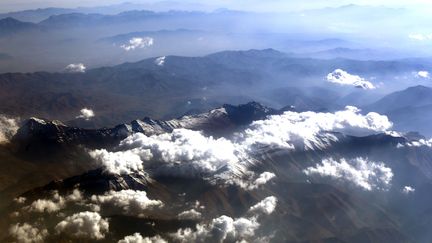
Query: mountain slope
[9,26]
[410,109]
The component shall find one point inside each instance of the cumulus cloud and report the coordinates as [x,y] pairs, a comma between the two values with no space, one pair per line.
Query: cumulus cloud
[20,200]
[160,61]
[48,205]
[264,178]
[86,114]
[227,229]
[251,181]
[342,77]
[138,43]
[75,68]
[123,162]
[359,171]
[190,214]
[182,153]
[55,203]
[128,202]
[137,238]
[416,143]
[408,190]
[266,206]
[8,128]
[221,229]
[310,129]
[84,225]
[186,153]
[423,74]
[26,233]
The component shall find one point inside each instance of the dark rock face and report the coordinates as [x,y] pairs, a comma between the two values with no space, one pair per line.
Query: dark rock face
[244,114]
[10,26]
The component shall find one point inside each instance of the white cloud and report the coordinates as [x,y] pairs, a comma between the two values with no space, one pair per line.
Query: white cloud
[186,153]
[138,42]
[8,128]
[264,178]
[361,172]
[160,61]
[227,229]
[26,233]
[86,114]
[342,77]
[48,205]
[20,200]
[84,225]
[408,190]
[124,162]
[420,37]
[75,68]
[423,74]
[418,143]
[128,202]
[220,229]
[310,129]
[266,206]
[55,203]
[137,238]
[251,181]
[190,214]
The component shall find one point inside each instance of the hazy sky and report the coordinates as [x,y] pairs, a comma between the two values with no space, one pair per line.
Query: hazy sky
[256,5]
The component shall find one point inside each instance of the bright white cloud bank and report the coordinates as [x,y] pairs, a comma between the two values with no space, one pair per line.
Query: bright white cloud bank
[361,172]
[84,225]
[138,43]
[75,68]
[8,128]
[186,153]
[342,77]
[309,129]
[86,114]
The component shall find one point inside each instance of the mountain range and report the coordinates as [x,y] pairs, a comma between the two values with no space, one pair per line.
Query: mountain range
[179,85]
[334,210]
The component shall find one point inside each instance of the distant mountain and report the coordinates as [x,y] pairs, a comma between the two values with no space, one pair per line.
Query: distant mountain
[36,15]
[410,97]
[409,110]
[124,38]
[83,19]
[71,19]
[167,87]
[10,26]
[355,54]
[357,12]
